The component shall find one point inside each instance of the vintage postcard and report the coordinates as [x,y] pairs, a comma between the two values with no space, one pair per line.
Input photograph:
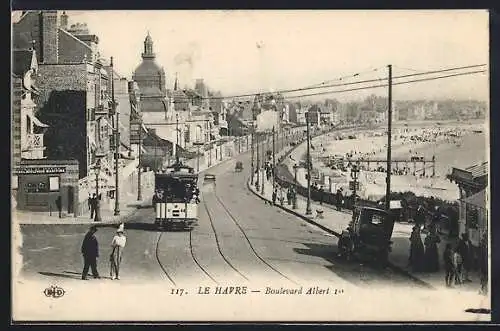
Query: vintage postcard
[288,166]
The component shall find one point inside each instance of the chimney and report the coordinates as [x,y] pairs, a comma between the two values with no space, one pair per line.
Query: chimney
[50,37]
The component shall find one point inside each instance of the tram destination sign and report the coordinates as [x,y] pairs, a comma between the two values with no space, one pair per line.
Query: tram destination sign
[39,170]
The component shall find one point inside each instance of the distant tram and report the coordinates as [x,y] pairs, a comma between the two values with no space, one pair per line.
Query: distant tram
[176,197]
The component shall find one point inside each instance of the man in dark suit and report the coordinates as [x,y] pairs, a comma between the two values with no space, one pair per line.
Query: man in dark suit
[59,205]
[90,252]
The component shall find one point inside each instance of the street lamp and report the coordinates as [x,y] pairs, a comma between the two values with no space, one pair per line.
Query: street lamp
[198,145]
[354,176]
[97,168]
[308,207]
[117,143]
[295,168]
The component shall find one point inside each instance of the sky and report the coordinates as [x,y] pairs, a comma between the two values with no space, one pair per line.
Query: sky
[252,51]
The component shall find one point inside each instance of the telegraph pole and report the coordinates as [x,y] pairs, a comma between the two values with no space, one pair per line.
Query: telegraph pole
[251,163]
[308,163]
[274,163]
[177,138]
[117,142]
[139,192]
[264,146]
[389,132]
[258,165]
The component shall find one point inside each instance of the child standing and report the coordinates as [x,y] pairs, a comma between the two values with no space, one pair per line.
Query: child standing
[117,245]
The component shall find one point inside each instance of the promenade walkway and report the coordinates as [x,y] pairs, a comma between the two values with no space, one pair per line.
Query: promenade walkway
[333,222]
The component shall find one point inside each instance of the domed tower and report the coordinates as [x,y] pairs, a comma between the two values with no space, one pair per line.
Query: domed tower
[149,75]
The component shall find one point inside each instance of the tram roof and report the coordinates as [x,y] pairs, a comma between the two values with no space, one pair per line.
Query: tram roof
[178,169]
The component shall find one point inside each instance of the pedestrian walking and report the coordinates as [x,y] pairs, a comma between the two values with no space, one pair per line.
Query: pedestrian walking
[274,196]
[90,252]
[416,250]
[320,189]
[431,250]
[92,205]
[89,202]
[338,200]
[117,246]
[457,266]
[420,216]
[59,205]
[448,265]
[465,250]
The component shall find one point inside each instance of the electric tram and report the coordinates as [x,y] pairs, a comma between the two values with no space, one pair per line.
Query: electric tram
[176,197]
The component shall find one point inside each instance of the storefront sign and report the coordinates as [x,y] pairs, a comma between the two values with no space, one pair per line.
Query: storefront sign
[39,170]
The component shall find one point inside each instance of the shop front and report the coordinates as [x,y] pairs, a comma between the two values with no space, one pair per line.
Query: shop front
[37,185]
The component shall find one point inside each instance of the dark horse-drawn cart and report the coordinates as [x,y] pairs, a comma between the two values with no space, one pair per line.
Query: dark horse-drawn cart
[369,234]
[238,167]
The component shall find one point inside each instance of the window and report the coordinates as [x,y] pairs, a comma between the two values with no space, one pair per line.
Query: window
[28,124]
[186,134]
[36,186]
[54,183]
[15,182]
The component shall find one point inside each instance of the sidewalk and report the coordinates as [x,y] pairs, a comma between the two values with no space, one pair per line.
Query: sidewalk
[128,205]
[334,222]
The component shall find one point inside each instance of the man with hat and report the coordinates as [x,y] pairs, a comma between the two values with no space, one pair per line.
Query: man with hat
[90,252]
[117,245]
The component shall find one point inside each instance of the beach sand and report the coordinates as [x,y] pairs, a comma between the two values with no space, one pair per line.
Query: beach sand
[461,152]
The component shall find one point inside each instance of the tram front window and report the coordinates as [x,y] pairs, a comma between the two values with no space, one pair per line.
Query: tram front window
[175,189]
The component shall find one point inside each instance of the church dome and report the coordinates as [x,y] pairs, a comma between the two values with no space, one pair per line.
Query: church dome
[148,67]
[150,77]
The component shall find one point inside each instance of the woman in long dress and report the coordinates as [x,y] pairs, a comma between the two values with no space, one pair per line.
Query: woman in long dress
[117,246]
[416,250]
[431,251]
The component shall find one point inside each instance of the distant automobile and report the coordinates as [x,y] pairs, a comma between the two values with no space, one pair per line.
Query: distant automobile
[209,178]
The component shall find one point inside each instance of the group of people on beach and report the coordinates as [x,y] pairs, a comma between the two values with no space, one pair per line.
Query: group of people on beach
[90,252]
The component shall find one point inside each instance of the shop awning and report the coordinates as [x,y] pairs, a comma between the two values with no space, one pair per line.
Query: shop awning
[478,199]
[37,121]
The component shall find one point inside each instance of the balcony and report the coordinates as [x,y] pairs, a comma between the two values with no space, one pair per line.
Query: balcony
[101,110]
[33,148]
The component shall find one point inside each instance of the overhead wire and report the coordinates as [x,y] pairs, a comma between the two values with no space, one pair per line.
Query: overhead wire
[385,85]
[334,85]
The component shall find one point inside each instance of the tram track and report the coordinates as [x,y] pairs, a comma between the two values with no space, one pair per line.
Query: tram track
[217,241]
[196,260]
[159,261]
[231,216]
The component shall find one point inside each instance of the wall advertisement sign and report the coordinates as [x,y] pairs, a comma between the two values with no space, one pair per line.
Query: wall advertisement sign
[39,170]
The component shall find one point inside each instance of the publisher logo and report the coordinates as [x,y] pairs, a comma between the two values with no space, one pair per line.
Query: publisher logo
[54,292]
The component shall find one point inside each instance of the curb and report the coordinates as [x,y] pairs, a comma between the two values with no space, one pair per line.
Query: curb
[330,231]
[293,212]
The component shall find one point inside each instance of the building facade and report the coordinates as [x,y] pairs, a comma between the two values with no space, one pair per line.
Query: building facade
[472,183]
[27,130]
